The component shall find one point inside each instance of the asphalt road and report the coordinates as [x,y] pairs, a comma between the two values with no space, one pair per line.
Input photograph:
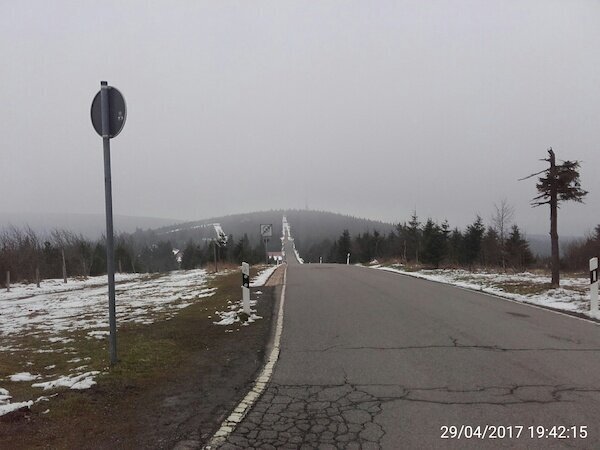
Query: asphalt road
[374,359]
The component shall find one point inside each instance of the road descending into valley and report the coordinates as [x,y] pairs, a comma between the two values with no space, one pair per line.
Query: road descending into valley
[372,359]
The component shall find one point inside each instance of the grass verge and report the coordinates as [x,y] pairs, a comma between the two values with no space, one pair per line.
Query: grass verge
[162,389]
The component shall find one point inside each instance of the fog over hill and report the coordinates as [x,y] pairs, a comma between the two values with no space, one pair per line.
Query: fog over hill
[89,225]
[307,226]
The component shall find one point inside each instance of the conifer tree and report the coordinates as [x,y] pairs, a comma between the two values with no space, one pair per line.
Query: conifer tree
[557,183]
[472,241]
[433,243]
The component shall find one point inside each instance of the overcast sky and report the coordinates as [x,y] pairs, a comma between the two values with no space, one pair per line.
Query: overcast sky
[371,108]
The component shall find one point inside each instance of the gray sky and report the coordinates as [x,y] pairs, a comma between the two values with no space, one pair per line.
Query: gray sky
[369,108]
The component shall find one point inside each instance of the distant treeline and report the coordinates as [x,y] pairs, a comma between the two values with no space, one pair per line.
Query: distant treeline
[24,253]
[430,244]
[577,254]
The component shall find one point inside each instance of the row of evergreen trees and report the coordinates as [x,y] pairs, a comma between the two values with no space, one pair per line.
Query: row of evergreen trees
[431,244]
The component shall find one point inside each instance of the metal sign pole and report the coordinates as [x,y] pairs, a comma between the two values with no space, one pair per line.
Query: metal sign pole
[265,240]
[110,251]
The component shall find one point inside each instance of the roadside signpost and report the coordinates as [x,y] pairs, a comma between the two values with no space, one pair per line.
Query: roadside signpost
[266,231]
[108,114]
[246,287]
[594,287]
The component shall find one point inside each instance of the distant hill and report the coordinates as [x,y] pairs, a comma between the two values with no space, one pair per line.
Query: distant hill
[307,226]
[540,243]
[90,225]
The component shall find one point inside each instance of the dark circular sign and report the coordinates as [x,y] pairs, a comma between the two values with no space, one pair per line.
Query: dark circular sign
[117,112]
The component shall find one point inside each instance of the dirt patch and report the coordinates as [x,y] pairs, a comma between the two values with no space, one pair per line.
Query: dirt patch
[176,380]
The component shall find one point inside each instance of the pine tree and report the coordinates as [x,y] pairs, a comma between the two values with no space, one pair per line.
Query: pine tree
[413,232]
[517,249]
[491,253]
[556,184]
[472,241]
[456,247]
[433,243]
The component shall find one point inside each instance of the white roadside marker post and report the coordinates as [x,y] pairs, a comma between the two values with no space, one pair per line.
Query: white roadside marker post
[594,287]
[348,259]
[320,260]
[246,287]
[8,281]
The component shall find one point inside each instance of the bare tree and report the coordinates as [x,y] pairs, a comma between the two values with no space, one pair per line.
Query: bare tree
[502,219]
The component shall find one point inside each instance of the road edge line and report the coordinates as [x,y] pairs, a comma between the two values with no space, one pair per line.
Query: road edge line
[260,384]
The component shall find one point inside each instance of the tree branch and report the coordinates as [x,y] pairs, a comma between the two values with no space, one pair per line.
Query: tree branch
[533,175]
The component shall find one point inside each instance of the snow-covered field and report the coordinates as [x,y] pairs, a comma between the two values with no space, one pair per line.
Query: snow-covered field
[53,311]
[572,296]
[49,319]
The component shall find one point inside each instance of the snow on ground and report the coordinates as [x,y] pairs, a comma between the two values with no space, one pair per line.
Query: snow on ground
[572,296]
[300,260]
[139,299]
[81,381]
[263,276]
[233,315]
[53,286]
[236,309]
[54,310]
[8,407]
[23,376]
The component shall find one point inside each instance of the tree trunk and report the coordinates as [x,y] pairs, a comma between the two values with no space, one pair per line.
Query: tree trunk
[554,222]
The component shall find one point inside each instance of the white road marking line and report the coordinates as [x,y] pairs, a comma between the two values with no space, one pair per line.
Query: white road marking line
[260,383]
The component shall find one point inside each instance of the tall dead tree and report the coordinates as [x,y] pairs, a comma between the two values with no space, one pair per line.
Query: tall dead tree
[556,184]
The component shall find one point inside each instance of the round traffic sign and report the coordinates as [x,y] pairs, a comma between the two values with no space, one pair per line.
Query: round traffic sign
[117,112]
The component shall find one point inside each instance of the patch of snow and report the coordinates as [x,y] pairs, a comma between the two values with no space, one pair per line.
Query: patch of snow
[6,406]
[23,376]
[81,381]
[233,315]
[99,334]
[263,276]
[10,407]
[4,396]
[60,339]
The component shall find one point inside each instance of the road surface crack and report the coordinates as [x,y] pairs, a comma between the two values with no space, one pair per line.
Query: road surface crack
[337,415]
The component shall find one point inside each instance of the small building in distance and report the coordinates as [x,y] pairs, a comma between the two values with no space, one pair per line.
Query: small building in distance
[276,257]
